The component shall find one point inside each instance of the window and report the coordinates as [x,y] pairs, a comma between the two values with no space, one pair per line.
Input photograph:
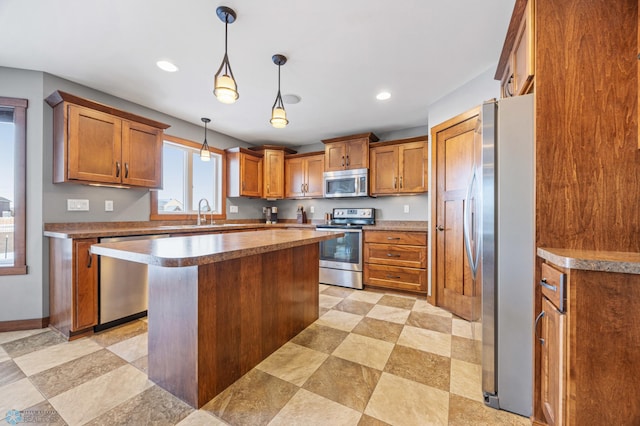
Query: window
[186,180]
[13,145]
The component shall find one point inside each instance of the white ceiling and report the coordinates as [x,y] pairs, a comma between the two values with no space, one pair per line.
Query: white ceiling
[340,54]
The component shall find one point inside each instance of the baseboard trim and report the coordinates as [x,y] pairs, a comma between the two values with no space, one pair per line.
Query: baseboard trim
[27,324]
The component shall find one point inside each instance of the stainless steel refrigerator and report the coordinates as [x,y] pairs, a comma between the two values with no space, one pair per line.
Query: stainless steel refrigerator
[504,231]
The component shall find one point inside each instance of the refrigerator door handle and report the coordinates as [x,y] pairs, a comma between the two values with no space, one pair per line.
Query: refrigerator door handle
[466,229]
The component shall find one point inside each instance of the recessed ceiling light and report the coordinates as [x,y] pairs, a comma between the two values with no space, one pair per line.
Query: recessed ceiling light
[167,66]
[383,96]
[291,99]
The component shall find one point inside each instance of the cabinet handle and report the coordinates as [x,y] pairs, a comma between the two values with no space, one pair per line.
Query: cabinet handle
[392,255]
[393,238]
[343,161]
[243,185]
[90,261]
[117,169]
[126,170]
[302,187]
[395,277]
[347,161]
[440,228]
[395,182]
[306,187]
[535,327]
[400,182]
[268,191]
[545,284]
[507,87]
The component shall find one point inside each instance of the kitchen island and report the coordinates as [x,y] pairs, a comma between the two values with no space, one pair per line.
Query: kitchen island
[219,304]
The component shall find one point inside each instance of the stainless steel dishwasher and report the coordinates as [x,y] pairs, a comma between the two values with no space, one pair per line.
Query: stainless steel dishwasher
[123,286]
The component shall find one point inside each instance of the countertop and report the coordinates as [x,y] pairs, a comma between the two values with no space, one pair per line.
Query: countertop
[204,249]
[591,260]
[119,229]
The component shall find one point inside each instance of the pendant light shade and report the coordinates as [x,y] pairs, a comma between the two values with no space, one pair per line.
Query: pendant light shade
[278,113]
[225,87]
[205,155]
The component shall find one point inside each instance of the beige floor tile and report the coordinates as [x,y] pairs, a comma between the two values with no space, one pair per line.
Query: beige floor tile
[293,363]
[33,343]
[465,412]
[35,362]
[462,328]
[402,302]
[4,356]
[320,338]
[354,306]
[466,349]
[95,397]
[477,331]
[8,336]
[389,313]
[426,340]
[420,366]
[122,332]
[430,322]
[365,296]
[322,287]
[18,396]
[424,306]
[399,401]
[329,302]
[201,418]
[334,290]
[378,329]
[466,379]
[9,373]
[307,408]
[364,350]
[341,320]
[131,349]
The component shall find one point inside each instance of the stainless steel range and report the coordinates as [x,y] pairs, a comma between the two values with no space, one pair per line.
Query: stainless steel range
[341,258]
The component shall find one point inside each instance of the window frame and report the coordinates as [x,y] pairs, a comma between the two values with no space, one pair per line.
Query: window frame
[20,186]
[156,216]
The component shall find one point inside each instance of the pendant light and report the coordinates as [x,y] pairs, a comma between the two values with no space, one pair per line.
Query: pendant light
[225,87]
[205,155]
[278,114]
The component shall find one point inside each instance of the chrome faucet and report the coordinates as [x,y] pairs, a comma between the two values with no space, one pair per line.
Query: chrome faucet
[207,206]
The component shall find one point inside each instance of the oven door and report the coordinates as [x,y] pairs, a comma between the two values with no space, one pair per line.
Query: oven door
[342,253]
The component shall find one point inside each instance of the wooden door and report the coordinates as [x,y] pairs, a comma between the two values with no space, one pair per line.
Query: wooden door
[384,170]
[94,148]
[412,167]
[357,154]
[334,156]
[453,154]
[85,285]
[315,170]
[552,364]
[250,175]
[294,177]
[273,174]
[141,155]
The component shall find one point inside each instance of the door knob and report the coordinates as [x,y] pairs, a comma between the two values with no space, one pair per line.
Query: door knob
[440,228]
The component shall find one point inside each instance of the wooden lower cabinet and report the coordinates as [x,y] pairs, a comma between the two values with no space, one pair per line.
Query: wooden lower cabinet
[396,260]
[73,286]
[587,355]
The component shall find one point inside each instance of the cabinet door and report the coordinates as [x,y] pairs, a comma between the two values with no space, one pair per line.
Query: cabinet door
[141,155]
[315,170]
[94,146]
[250,176]
[552,364]
[412,167]
[334,156]
[273,174]
[85,285]
[294,177]
[357,154]
[522,55]
[384,169]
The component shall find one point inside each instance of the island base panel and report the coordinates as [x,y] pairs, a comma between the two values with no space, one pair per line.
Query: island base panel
[210,324]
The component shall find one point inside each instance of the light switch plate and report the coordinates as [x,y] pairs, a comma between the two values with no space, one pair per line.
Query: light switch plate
[77,205]
[108,205]
[406,208]
[233,209]
[312,209]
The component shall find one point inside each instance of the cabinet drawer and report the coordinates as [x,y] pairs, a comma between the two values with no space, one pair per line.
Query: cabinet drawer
[393,277]
[553,286]
[396,255]
[395,237]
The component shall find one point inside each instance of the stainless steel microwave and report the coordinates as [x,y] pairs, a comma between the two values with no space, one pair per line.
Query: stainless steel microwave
[346,183]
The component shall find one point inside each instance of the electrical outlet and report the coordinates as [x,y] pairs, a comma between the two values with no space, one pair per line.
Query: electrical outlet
[233,209]
[312,209]
[406,208]
[108,205]
[77,205]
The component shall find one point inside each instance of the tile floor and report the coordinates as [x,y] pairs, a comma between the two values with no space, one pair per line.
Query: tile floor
[370,359]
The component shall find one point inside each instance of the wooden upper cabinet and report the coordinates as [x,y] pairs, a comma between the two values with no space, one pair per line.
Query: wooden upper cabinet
[273,180]
[244,173]
[303,175]
[349,152]
[516,67]
[95,143]
[399,167]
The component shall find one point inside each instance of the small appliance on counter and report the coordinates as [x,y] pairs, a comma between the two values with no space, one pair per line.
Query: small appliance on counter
[301,215]
[341,258]
[270,214]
